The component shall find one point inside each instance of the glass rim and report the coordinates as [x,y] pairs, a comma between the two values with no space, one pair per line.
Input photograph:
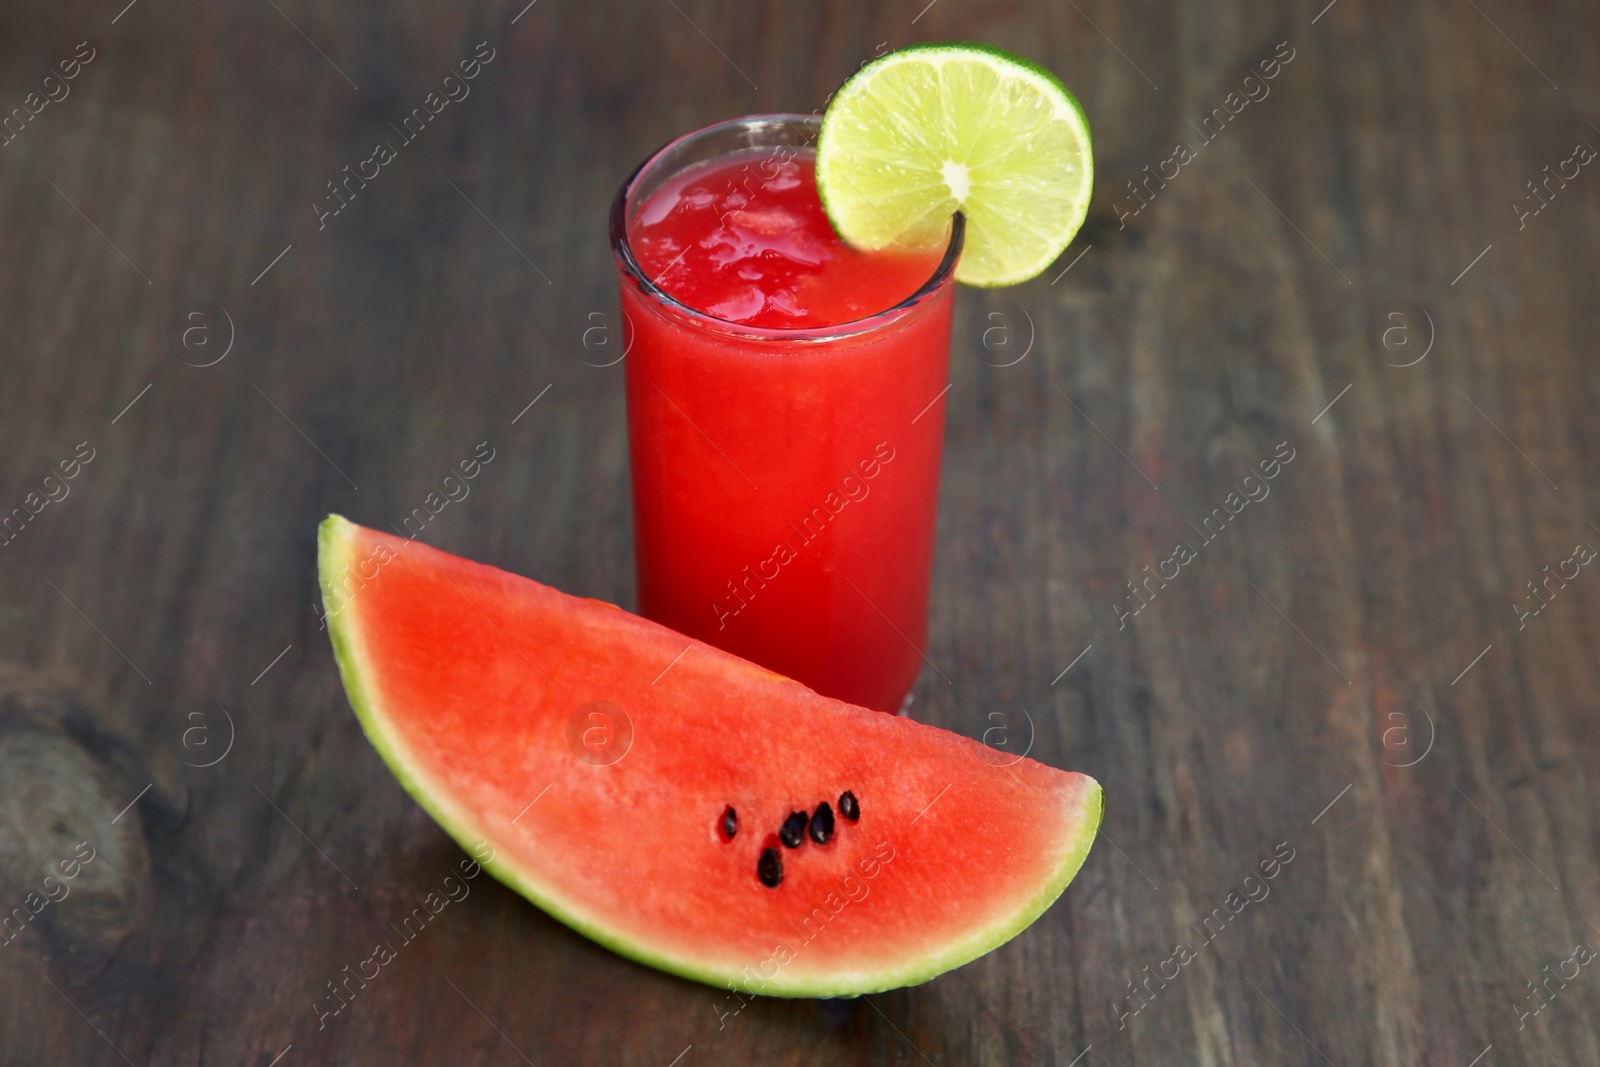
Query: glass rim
[622,250]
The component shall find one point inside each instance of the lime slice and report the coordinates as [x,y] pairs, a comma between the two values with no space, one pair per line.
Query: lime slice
[934,129]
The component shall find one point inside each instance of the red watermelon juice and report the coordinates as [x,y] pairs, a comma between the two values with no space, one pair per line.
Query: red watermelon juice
[785,413]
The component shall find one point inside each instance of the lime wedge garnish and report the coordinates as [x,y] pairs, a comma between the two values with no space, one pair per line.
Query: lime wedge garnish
[934,129]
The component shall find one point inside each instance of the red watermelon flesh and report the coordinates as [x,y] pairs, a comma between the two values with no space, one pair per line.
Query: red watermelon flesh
[593,756]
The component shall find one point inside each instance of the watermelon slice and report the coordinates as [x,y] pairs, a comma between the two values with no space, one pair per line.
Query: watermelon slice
[681,806]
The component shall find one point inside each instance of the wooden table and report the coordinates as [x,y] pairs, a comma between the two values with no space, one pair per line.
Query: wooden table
[1339,272]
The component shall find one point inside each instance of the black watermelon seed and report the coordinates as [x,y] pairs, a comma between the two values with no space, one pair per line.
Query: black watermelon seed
[769,868]
[822,824]
[730,822]
[794,829]
[848,807]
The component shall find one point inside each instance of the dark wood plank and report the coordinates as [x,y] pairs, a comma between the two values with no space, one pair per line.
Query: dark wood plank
[1357,619]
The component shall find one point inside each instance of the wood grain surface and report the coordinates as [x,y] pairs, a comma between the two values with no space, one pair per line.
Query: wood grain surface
[1342,673]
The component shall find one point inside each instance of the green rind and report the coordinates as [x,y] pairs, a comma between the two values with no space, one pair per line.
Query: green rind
[333,539]
[1011,58]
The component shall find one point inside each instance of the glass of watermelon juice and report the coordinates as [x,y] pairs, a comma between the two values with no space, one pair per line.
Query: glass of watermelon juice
[785,412]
